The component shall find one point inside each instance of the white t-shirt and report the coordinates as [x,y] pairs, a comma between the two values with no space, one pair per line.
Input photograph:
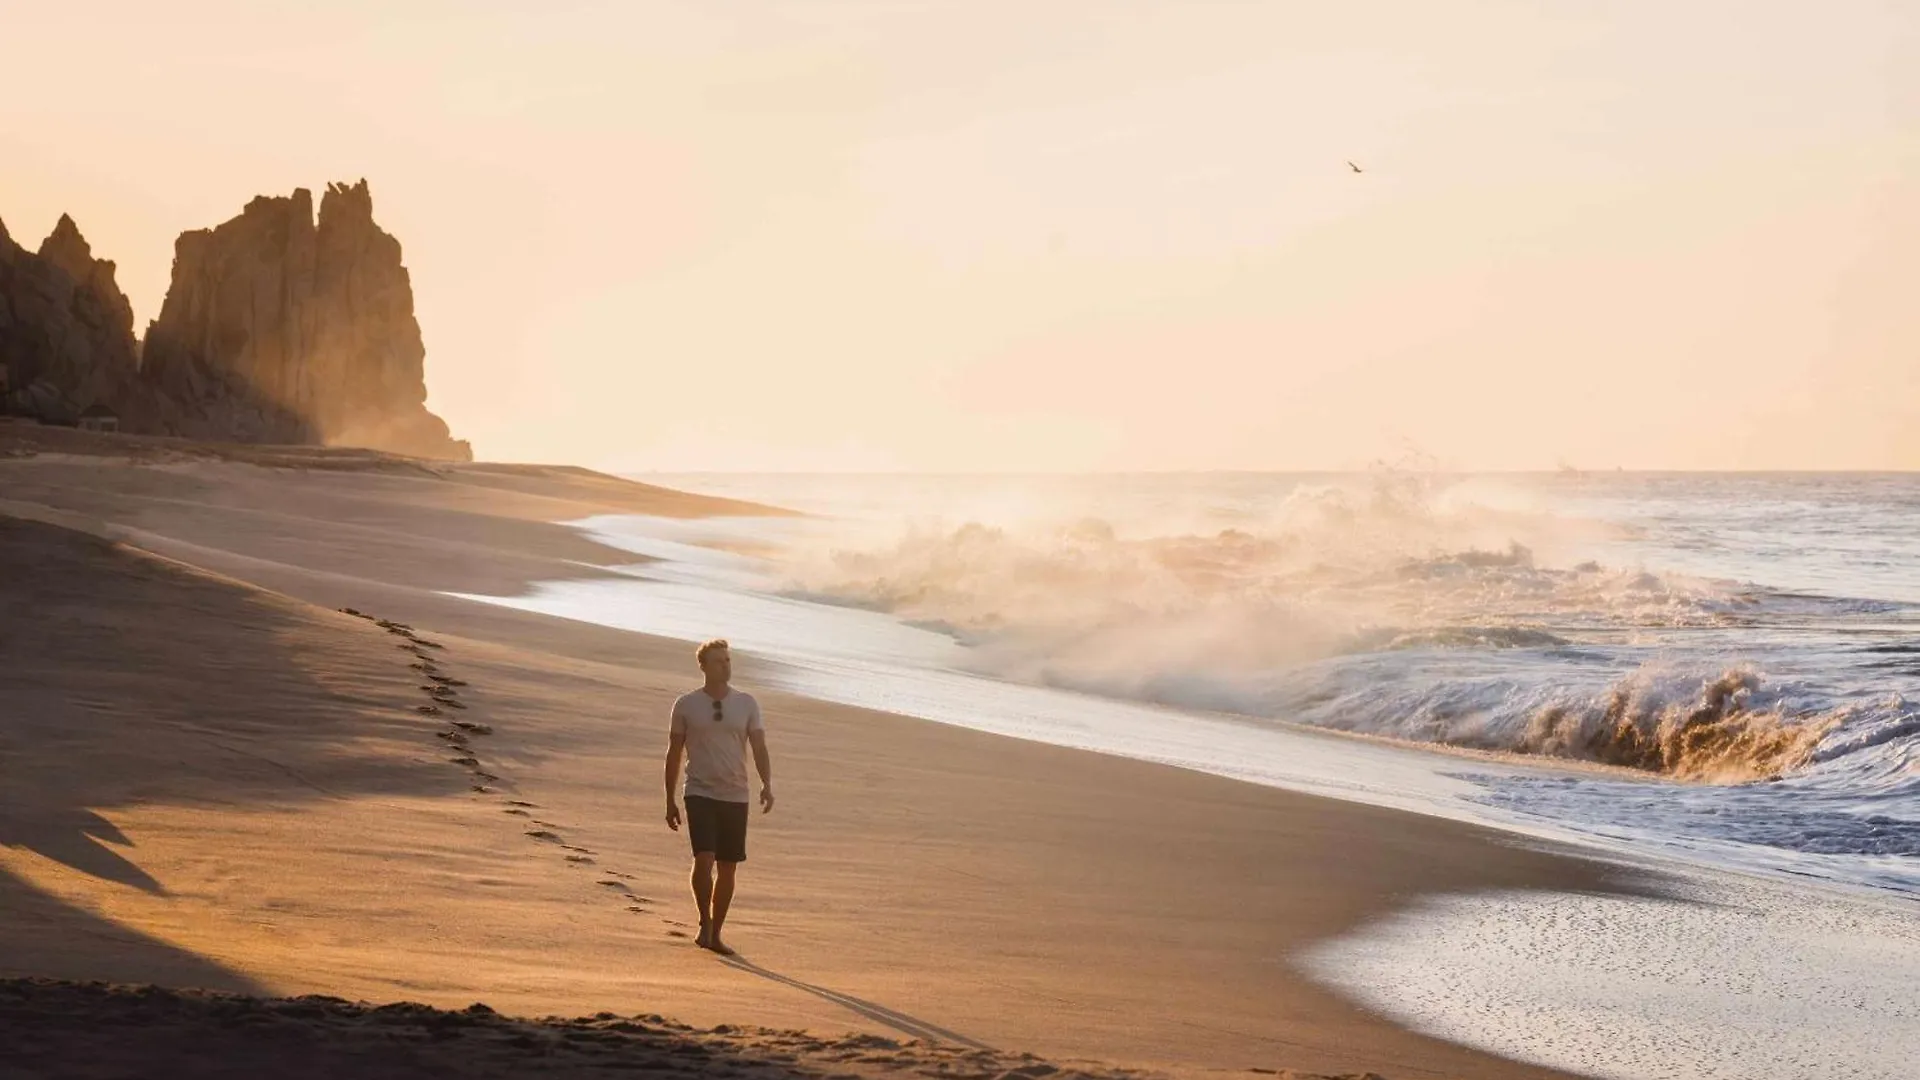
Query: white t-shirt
[717,749]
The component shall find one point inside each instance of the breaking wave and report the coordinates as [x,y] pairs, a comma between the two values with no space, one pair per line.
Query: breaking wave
[1719,736]
[1389,609]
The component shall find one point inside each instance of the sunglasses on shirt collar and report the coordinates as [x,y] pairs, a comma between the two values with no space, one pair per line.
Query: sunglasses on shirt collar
[716,712]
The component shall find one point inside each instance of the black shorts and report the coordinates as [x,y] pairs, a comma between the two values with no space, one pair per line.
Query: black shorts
[719,827]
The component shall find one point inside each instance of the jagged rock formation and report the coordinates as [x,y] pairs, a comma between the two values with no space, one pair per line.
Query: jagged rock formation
[66,333]
[274,329]
[65,248]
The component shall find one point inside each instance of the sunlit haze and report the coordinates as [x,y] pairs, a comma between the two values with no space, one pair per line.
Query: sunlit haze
[1063,236]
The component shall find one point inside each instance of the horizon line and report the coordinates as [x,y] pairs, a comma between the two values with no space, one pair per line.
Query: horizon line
[1567,473]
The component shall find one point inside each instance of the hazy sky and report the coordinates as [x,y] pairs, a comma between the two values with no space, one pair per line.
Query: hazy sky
[972,235]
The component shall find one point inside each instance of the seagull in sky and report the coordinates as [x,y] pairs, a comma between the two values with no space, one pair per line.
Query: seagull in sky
[1354,167]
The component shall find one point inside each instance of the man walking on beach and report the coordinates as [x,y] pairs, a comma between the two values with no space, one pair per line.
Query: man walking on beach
[713,726]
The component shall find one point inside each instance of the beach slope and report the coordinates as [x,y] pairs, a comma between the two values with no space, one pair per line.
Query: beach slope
[251,746]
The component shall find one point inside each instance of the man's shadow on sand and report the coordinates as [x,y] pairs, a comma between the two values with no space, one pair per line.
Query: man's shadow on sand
[910,1026]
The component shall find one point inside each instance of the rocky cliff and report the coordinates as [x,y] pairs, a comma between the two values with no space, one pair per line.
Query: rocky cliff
[276,328]
[66,332]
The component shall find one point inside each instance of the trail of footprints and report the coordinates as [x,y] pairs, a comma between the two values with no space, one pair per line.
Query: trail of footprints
[443,699]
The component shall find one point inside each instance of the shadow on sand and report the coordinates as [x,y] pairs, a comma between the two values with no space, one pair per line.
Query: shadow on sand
[78,838]
[910,1026]
[44,934]
[128,680]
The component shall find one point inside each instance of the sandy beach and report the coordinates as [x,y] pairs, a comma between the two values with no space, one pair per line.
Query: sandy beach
[249,746]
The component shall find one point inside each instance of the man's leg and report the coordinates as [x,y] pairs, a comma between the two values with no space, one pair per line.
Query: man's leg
[722,899]
[702,882]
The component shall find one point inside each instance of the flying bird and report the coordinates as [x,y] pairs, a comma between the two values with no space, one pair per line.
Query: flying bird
[1354,167]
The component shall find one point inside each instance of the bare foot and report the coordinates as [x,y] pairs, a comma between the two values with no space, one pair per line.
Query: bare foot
[701,938]
[714,943]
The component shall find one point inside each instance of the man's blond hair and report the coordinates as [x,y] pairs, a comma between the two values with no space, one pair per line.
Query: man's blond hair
[700,654]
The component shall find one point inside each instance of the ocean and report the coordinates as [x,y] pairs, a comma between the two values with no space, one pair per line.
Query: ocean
[1708,671]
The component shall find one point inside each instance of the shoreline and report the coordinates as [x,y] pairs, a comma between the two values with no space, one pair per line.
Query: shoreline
[1072,904]
[897,652]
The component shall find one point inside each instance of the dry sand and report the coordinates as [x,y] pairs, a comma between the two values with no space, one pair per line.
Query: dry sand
[211,776]
[57,1029]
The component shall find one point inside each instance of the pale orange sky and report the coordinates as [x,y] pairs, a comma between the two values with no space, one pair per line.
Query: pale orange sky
[1057,236]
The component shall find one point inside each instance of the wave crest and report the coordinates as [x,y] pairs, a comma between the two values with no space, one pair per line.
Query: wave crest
[1719,736]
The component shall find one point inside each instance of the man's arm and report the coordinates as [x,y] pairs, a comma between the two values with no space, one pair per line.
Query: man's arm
[676,746]
[758,737]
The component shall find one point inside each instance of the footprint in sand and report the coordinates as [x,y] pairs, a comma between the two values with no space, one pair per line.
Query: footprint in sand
[472,728]
[676,933]
[542,834]
[611,884]
[522,802]
[467,761]
[581,859]
[486,777]
[427,710]
[515,810]
[482,789]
